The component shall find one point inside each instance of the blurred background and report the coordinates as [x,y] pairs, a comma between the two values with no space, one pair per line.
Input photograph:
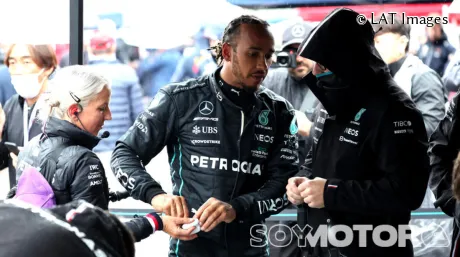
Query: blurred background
[167,41]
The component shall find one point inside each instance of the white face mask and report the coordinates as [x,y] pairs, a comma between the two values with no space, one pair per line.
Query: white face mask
[27,85]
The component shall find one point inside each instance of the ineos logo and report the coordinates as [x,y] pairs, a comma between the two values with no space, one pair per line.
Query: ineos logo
[206,107]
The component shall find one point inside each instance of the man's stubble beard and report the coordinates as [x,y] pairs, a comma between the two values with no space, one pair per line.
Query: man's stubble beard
[239,77]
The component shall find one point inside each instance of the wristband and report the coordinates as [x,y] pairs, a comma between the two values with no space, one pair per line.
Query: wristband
[155,220]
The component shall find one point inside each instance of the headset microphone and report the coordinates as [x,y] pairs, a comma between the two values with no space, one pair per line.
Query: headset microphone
[105,134]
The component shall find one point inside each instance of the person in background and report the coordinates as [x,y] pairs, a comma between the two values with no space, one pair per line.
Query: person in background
[30,67]
[126,98]
[423,85]
[437,51]
[6,88]
[156,69]
[201,60]
[451,76]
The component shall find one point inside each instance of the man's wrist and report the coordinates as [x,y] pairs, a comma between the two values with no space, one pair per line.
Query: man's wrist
[232,214]
[152,193]
[156,203]
[238,208]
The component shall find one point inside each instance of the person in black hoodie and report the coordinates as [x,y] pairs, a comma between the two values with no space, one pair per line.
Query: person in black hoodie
[368,163]
[78,107]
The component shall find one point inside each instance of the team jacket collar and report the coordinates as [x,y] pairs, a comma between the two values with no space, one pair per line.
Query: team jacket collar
[222,98]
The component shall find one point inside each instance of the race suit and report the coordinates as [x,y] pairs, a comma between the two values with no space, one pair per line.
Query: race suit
[215,150]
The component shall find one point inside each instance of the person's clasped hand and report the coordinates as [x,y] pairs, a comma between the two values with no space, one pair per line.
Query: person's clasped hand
[173,227]
[213,212]
[312,192]
[292,190]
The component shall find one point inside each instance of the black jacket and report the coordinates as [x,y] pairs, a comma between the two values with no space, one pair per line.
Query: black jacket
[13,129]
[373,153]
[215,150]
[78,173]
[444,147]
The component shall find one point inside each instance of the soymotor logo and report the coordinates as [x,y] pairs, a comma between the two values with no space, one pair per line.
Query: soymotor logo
[343,236]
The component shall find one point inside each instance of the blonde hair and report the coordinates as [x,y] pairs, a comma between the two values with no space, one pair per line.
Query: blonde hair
[76,84]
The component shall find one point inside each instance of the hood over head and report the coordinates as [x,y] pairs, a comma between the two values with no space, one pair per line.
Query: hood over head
[344,46]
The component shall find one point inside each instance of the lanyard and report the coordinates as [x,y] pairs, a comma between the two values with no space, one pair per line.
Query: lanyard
[27,123]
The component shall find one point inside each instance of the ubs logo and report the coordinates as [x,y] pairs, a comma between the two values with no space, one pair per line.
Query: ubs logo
[206,107]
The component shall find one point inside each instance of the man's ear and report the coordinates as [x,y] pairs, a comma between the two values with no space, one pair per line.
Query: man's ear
[227,52]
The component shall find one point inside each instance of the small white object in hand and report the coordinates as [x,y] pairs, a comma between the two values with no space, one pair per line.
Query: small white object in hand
[195,224]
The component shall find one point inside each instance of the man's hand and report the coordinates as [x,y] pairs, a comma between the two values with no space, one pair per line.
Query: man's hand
[171,205]
[313,192]
[173,227]
[213,212]
[293,192]
[303,123]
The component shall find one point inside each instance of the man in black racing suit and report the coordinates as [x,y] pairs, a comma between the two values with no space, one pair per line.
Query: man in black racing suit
[232,146]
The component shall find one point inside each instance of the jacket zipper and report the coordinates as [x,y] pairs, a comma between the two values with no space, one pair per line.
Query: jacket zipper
[242,124]
[236,182]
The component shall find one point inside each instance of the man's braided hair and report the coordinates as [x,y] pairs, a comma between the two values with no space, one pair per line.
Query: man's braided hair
[232,31]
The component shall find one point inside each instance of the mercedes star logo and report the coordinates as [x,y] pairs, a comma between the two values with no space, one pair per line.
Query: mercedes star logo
[206,107]
[298,31]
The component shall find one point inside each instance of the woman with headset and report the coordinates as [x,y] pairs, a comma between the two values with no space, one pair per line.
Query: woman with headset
[77,106]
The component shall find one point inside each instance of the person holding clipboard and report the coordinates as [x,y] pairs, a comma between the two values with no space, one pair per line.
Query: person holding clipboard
[30,67]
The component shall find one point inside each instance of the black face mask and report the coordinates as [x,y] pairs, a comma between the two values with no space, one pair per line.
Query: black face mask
[338,94]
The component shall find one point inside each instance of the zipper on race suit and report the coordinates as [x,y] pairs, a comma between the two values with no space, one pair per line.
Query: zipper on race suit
[236,180]
[242,123]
